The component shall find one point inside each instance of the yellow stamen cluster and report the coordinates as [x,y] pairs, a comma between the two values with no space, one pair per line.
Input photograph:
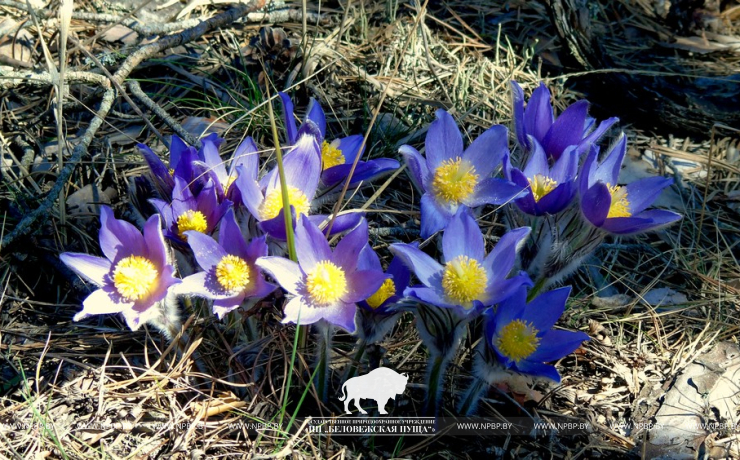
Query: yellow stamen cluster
[273,203]
[464,280]
[331,155]
[541,185]
[454,180]
[134,277]
[172,172]
[232,273]
[386,291]
[620,206]
[191,220]
[326,283]
[518,340]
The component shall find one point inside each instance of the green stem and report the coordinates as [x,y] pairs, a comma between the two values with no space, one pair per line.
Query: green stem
[434,386]
[536,289]
[470,400]
[323,354]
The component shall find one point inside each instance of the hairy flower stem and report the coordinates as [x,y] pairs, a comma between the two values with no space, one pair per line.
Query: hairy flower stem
[323,354]
[470,399]
[435,383]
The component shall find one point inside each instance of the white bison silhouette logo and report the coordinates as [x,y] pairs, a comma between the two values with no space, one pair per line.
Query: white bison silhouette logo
[380,384]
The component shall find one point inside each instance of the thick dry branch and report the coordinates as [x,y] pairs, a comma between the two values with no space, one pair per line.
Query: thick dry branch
[143,53]
[10,79]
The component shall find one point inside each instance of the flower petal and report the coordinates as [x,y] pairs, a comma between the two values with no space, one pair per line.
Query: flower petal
[118,238]
[348,249]
[212,158]
[566,130]
[487,150]
[342,223]
[286,272]
[92,268]
[310,245]
[364,171]
[302,167]
[207,252]
[508,310]
[545,309]
[443,140]
[539,117]
[538,370]
[316,115]
[645,221]
[362,284]
[249,190]
[426,269]
[247,156]
[643,192]
[596,134]
[556,344]
[159,169]
[608,171]
[501,289]
[517,104]
[434,217]
[291,128]
[230,236]
[417,166]
[462,237]
[500,260]
[368,259]
[203,284]
[595,204]
[154,241]
[350,147]
[494,191]
[430,296]
[102,302]
[537,163]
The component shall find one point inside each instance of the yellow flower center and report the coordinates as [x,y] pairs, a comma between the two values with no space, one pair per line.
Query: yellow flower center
[134,277]
[273,203]
[191,220]
[229,181]
[386,291]
[331,155]
[232,273]
[518,340]
[620,206]
[541,185]
[464,280]
[454,180]
[172,172]
[326,283]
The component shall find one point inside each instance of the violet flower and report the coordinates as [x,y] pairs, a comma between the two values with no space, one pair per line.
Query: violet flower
[521,335]
[187,212]
[134,277]
[549,189]
[537,121]
[469,280]
[246,155]
[338,155]
[264,198]
[325,285]
[378,313]
[620,209]
[182,160]
[451,178]
[230,275]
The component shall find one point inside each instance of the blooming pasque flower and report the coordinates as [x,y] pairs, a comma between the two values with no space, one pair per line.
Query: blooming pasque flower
[549,189]
[537,122]
[620,209]
[378,313]
[229,275]
[324,284]
[245,155]
[338,155]
[521,334]
[469,280]
[182,160]
[451,178]
[134,275]
[264,199]
[187,212]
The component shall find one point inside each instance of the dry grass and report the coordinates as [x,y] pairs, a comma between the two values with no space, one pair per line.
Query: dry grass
[97,390]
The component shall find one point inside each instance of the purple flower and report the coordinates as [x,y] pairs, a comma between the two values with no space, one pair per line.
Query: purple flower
[521,334]
[229,275]
[379,312]
[537,121]
[187,212]
[324,284]
[182,159]
[469,280]
[246,155]
[549,189]
[264,199]
[451,178]
[620,209]
[338,155]
[133,276]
